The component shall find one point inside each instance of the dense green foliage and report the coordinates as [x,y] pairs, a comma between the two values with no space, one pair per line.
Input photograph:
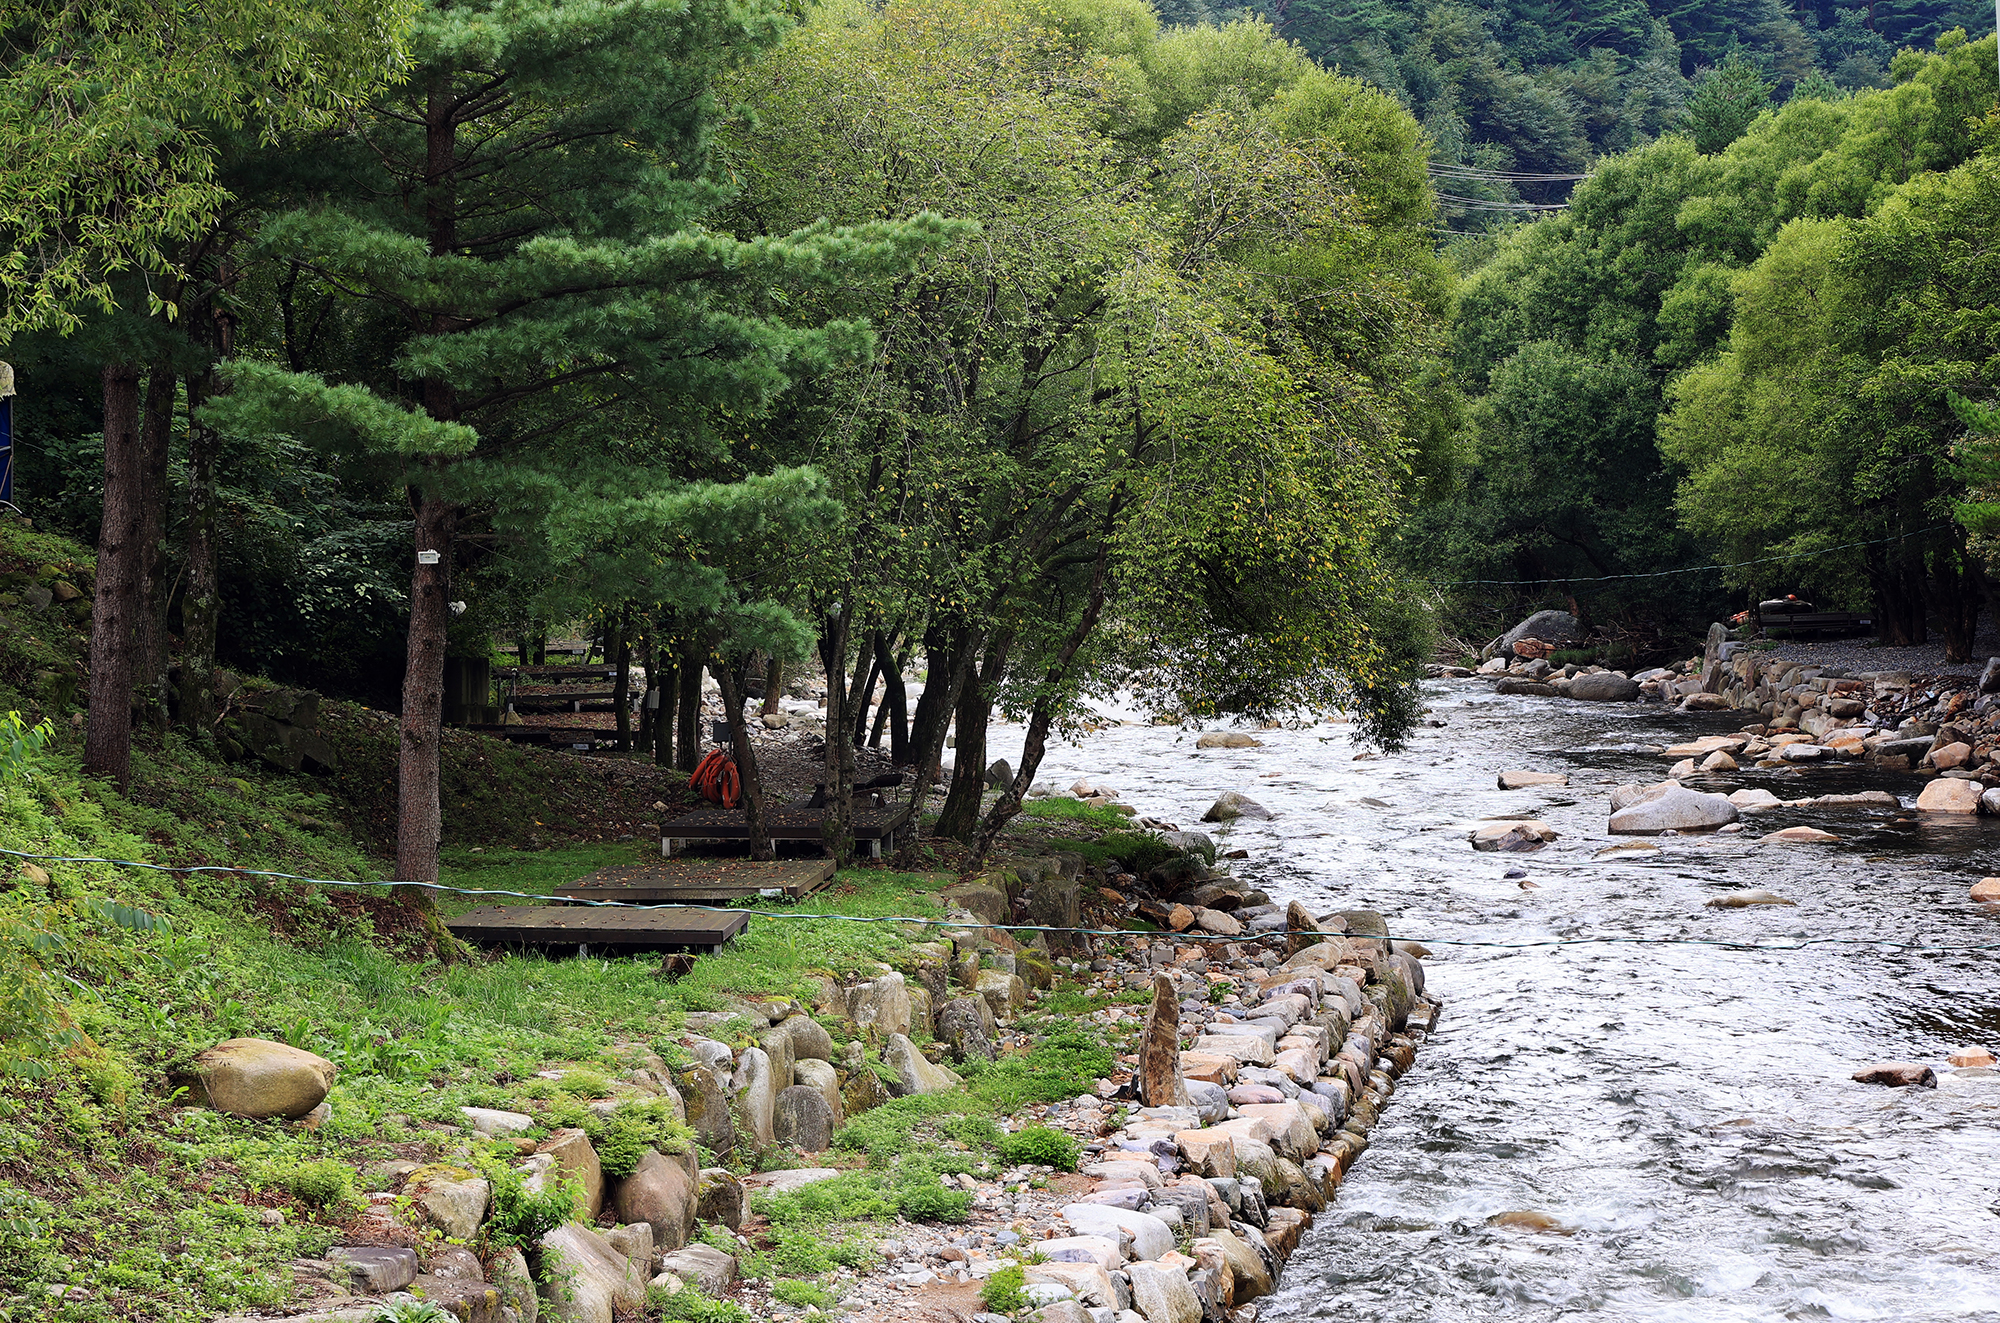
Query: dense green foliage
[1717,357]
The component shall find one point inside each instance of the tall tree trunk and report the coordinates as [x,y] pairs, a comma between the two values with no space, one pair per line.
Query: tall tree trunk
[419,815]
[837,827]
[649,698]
[149,649]
[895,704]
[687,741]
[621,686]
[726,676]
[774,686]
[1957,593]
[955,660]
[1047,702]
[114,611]
[201,603]
[866,665]
[670,693]
[960,814]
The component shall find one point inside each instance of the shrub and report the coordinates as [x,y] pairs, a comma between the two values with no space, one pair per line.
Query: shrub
[1038,1145]
[622,1138]
[885,1131]
[849,1197]
[1001,1293]
[803,1294]
[690,1306]
[1138,851]
[521,1216]
[1069,1061]
[918,1187]
[975,1132]
[412,1311]
[323,1184]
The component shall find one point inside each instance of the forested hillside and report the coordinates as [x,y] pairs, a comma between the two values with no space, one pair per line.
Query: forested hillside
[1523,88]
[1743,354]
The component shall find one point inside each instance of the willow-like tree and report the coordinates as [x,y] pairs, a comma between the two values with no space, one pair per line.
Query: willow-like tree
[1168,384]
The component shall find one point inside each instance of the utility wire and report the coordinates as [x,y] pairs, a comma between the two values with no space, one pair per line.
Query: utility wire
[1794,941]
[1692,569]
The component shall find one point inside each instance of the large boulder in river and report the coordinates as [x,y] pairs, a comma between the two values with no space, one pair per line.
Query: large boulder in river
[1231,805]
[1604,687]
[1557,627]
[1949,794]
[1672,807]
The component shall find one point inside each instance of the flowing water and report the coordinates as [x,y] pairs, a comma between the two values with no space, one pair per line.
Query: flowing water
[1684,1111]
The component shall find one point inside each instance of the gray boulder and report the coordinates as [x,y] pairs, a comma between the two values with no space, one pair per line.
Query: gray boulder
[803,1119]
[1604,687]
[703,1266]
[913,1071]
[585,1280]
[1231,805]
[660,1192]
[719,1198]
[822,1076]
[1672,807]
[258,1078]
[756,1091]
[1557,627]
[966,1025]
[707,1101]
[1197,843]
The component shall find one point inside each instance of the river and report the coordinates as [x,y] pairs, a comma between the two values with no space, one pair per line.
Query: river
[1684,1111]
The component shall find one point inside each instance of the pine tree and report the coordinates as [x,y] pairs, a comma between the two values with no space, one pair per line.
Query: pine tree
[522,217]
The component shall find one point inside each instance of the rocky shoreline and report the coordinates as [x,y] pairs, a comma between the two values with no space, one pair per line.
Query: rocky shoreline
[1250,1055]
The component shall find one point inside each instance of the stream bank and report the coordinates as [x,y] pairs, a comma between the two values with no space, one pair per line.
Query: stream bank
[1615,1131]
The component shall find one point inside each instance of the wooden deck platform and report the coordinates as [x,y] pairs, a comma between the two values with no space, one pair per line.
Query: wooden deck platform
[702,880]
[588,926]
[876,827]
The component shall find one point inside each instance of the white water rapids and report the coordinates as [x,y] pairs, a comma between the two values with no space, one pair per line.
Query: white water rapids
[1685,1111]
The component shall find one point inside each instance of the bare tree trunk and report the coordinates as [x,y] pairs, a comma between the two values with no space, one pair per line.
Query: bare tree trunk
[663,720]
[960,814]
[688,737]
[149,649]
[201,603]
[838,825]
[746,759]
[927,736]
[649,702]
[774,686]
[865,668]
[419,817]
[1044,713]
[621,687]
[114,611]
[895,704]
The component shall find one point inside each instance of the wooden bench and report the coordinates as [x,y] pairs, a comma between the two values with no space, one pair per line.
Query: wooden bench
[877,827]
[1816,622]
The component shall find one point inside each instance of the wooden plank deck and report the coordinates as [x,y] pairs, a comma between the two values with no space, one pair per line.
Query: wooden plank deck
[702,879]
[594,926]
[875,826]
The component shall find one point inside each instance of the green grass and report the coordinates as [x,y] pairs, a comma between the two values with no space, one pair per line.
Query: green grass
[1063,808]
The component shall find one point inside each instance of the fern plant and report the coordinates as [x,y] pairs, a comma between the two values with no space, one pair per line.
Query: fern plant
[21,745]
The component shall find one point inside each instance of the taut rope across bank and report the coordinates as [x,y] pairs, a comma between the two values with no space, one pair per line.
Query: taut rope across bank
[1792,942]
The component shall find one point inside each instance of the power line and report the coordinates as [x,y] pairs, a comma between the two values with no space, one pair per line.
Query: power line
[1501,176]
[1793,941]
[1691,569]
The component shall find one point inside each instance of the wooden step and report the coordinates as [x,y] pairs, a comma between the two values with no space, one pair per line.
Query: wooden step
[585,926]
[702,880]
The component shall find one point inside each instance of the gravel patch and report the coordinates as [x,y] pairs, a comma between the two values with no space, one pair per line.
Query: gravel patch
[1865,655]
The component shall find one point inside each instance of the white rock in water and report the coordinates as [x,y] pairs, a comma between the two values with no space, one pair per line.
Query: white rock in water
[1804,753]
[1685,767]
[1626,849]
[1800,836]
[1718,762]
[1672,808]
[1754,801]
[1628,795]
[1949,794]
[1737,900]
[1227,739]
[1521,780]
